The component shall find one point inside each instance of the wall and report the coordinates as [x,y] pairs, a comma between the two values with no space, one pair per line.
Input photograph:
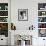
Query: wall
[3,1]
[32,13]
[32,6]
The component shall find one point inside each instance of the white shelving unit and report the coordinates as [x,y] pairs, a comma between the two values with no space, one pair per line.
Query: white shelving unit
[4,19]
[42,18]
[3,32]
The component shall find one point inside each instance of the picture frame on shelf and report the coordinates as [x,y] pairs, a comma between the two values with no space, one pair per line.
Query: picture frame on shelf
[42,32]
[23,14]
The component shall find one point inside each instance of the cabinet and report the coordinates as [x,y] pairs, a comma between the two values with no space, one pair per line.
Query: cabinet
[42,19]
[42,41]
[3,40]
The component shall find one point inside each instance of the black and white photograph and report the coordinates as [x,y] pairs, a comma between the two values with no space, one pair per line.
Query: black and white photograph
[23,14]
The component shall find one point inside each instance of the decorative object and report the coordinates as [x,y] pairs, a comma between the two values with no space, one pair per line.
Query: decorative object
[4,29]
[41,19]
[24,37]
[3,6]
[0,7]
[6,7]
[41,6]
[23,14]
[31,27]
[13,27]
[23,40]
[42,33]
[43,13]
[3,19]
[3,13]
[41,25]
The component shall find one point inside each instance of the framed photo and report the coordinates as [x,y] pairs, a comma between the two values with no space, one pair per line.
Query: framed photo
[23,14]
[42,32]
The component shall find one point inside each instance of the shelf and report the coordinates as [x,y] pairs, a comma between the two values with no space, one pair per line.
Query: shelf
[41,28]
[42,16]
[41,10]
[42,19]
[3,22]
[3,16]
[3,10]
[4,19]
[41,22]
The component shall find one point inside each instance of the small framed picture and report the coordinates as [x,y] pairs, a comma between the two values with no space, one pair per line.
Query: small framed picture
[42,33]
[23,14]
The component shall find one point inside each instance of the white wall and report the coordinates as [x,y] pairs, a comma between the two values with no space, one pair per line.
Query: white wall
[3,1]
[32,6]
[32,13]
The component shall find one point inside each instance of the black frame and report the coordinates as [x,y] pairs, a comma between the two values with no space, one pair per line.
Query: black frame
[26,13]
